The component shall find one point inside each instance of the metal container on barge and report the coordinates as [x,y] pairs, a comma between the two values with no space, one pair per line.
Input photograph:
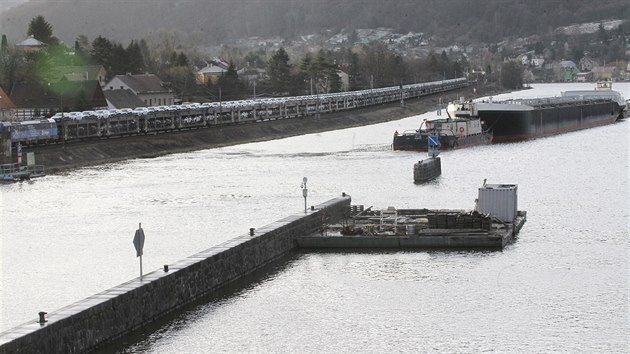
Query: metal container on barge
[523,119]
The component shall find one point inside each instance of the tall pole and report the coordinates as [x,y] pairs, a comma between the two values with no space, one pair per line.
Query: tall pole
[372,87]
[254,88]
[63,123]
[304,192]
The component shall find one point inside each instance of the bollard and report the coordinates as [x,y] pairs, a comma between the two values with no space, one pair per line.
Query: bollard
[166,267]
[251,231]
[42,317]
[312,207]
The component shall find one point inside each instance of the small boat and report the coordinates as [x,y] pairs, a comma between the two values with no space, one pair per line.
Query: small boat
[462,128]
[14,172]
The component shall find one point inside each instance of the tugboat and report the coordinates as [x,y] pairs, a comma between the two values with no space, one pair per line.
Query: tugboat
[462,128]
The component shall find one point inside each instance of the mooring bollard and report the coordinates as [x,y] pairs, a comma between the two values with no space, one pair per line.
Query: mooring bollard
[251,231]
[42,317]
[166,267]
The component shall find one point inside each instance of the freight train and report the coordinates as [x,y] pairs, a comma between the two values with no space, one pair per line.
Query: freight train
[75,126]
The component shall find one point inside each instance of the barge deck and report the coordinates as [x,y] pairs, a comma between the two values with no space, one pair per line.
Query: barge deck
[413,228]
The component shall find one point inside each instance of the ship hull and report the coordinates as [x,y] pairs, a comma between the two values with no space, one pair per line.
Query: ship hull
[512,122]
[419,142]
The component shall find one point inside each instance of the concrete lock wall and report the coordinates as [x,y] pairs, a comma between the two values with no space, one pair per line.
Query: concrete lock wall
[103,317]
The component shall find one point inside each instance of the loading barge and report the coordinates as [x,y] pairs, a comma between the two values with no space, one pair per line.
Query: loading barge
[492,224]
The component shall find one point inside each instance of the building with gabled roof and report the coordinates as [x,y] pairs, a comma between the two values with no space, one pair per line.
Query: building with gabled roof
[604,72]
[81,73]
[33,99]
[148,87]
[7,108]
[209,73]
[122,98]
[31,44]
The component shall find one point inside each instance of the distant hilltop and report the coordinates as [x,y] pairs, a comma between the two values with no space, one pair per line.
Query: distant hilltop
[211,22]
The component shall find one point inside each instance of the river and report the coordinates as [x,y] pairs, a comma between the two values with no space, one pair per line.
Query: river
[562,286]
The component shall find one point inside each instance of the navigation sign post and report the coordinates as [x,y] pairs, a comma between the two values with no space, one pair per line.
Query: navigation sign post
[138,243]
[434,144]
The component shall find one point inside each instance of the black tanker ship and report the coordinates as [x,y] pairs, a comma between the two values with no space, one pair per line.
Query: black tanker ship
[517,120]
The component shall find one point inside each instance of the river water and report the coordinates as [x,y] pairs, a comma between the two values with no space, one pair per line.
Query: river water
[562,286]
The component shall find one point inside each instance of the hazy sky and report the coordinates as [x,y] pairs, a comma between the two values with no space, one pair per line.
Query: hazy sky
[7,4]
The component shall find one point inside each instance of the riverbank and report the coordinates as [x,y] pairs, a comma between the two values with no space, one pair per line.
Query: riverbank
[60,158]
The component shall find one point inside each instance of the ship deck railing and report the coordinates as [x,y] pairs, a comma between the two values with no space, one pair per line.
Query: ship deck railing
[557,100]
[16,172]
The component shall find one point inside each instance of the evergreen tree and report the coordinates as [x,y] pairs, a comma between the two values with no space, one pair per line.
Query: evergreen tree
[182,60]
[319,69]
[3,45]
[512,75]
[172,61]
[101,53]
[147,59]
[119,60]
[230,84]
[11,64]
[354,74]
[135,59]
[602,34]
[83,42]
[41,30]
[334,81]
[279,71]
[306,71]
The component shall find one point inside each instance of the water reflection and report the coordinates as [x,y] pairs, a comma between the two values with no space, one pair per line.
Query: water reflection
[561,287]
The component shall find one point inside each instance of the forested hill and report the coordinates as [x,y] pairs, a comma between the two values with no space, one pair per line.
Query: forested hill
[213,21]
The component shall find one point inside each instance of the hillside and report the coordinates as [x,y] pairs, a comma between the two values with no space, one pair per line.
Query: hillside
[214,21]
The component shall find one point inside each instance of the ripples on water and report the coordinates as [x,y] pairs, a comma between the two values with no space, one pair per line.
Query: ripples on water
[563,286]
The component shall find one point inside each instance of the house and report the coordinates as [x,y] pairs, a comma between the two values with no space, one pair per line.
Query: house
[148,87]
[213,71]
[525,60]
[81,73]
[584,77]
[122,98]
[7,108]
[209,73]
[33,100]
[538,62]
[569,70]
[587,64]
[31,45]
[604,72]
